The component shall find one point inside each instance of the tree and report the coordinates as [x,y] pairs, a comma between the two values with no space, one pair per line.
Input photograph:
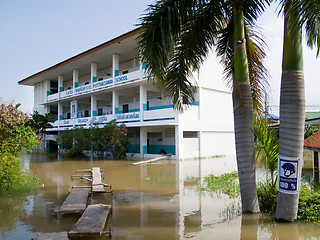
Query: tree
[176,39]
[14,135]
[292,97]
[40,123]
[266,147]
[111,138]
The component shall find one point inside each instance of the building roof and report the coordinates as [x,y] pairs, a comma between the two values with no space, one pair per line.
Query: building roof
[125,45]
[313,141]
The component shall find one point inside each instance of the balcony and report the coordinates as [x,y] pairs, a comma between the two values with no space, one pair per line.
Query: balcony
[160,114]
[103,84]
[165,114]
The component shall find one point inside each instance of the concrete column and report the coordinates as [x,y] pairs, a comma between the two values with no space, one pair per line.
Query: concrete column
[143,141]
[46,109]
[142,69]
[94,110]
[75,78]
[115,103]
[115,64]
[60,112]
[178,134]
[93,72]
[60,84]
[47,89]
[143,101]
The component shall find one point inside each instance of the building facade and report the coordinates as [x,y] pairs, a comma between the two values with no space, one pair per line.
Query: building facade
[109,82]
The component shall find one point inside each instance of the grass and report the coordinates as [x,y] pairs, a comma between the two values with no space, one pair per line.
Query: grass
[226,183]
[162,179]
[27,185]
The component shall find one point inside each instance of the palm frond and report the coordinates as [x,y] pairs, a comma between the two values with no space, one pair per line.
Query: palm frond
[258,73]
[309,12]
[176,39]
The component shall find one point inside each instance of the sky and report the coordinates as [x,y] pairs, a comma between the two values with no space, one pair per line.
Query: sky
[37,34]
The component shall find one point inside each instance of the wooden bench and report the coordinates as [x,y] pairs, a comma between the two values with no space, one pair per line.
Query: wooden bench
[76,201]
[92,222]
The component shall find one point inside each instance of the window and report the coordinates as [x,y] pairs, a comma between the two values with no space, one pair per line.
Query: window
[169,132]
[190,134]
[100,111]
[86,113]
[125,108]
[68,115]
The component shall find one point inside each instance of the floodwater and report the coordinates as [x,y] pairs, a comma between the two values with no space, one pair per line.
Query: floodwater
[154,201]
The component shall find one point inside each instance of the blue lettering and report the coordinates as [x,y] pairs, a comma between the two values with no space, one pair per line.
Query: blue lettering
[69,92]
[127,116]
[66,122]
[102,84]
[82,120]
[121,79]
[82,89]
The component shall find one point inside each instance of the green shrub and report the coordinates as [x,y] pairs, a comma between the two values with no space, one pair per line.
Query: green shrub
[226,183]
[309,204]
[267,195]
[309,201]
[74,152]
[111,138]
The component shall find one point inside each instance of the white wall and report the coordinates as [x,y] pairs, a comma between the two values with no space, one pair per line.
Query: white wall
[217,143]
[211,74]
[40,93]
[216,110]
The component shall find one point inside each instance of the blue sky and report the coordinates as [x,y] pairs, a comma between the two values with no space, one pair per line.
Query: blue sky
[37,34]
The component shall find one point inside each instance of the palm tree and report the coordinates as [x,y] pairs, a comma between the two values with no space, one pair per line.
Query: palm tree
[292,98]
[176,39]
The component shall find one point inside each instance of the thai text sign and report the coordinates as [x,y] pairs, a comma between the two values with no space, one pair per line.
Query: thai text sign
[289,175]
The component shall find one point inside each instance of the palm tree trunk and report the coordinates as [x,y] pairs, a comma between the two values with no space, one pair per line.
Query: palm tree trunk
[292,110]
[243,119]
[291,132]
[243,126]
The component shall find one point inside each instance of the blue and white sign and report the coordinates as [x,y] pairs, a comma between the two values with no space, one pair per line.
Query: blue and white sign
[82,89]
[121,79]
[73,109]
[289,175]
[127,116]
[101,84]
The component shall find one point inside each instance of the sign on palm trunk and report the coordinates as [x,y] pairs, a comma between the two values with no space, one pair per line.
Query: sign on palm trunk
[289,172]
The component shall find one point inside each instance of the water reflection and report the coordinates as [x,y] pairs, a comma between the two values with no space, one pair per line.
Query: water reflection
[155,201]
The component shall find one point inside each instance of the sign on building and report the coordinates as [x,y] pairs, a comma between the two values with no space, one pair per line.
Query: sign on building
[289,175]
[73,109]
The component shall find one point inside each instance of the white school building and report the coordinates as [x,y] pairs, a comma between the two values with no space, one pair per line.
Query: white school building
[109,82]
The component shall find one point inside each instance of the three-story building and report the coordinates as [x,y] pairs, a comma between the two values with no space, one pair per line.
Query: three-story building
[109,82]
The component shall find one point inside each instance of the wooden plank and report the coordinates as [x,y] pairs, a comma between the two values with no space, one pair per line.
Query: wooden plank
[92,222]
[76,202]
[90,180]
[51,236]
[97,186]
[151,160]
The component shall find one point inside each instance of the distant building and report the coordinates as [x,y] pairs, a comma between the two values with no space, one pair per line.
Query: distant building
[108,82]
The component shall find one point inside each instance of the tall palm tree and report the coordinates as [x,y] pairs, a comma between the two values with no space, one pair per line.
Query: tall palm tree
[177,36]
[292,98]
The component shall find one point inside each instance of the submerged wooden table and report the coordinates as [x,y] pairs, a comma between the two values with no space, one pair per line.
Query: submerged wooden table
[51,236]
[92,222]
[76,202]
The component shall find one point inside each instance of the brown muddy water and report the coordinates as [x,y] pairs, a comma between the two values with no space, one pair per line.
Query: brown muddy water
[154,201]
